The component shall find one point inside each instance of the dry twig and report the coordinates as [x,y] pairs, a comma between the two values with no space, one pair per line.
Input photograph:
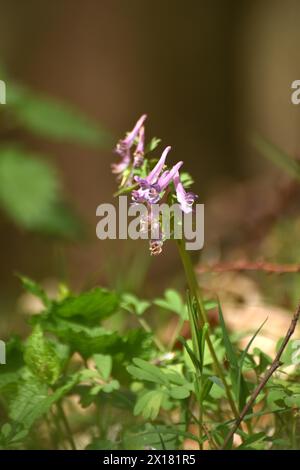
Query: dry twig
[273,367]
[240,266]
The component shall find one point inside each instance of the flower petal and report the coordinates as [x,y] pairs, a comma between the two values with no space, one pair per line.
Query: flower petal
[155,172]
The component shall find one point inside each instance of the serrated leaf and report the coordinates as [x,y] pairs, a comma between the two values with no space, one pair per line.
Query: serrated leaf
[33,400]
[41,357]
[89,340]
[92,306]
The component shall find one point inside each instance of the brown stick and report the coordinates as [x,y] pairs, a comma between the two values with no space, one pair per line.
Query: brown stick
[239,266]
[274,366]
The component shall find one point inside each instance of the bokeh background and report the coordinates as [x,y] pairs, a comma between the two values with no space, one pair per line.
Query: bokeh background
[207,73]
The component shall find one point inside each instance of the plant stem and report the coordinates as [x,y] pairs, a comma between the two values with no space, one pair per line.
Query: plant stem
[176,333]
[148,329]
[195,291]
[67,426]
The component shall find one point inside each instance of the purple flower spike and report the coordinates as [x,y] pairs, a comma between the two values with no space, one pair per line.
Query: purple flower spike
[150,189]
[186,200]
[168,176]
[139,152]
[125,144]
[118,168]
[154,174]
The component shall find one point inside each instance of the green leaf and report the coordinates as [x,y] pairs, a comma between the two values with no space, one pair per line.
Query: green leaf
[33,400]
[206,388]
[28,187]
[254,439]
[179,393]
[134,305]
[41,357]
[111,386]
[193,359]
[103,364]
[149,372]
[172,302]
[153,144]
[149,404]
[89,340]
[92,306]
[277,156]
[293,401]
[35,289]
[50,118]
[186,179]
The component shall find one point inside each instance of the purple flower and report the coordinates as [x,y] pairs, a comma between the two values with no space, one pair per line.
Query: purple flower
[156,182]
[186,200]
[139,151]
[124,145]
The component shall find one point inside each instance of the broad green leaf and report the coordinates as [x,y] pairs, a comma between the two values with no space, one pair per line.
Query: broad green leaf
[149,404]
[91,306]
[28,187]
[33,400]
[179,393]
[50,118]
[41,357]
[89,340]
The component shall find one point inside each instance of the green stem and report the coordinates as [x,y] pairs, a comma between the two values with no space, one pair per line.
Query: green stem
[67,426]
[148,329]
[176,333]
[195,291]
